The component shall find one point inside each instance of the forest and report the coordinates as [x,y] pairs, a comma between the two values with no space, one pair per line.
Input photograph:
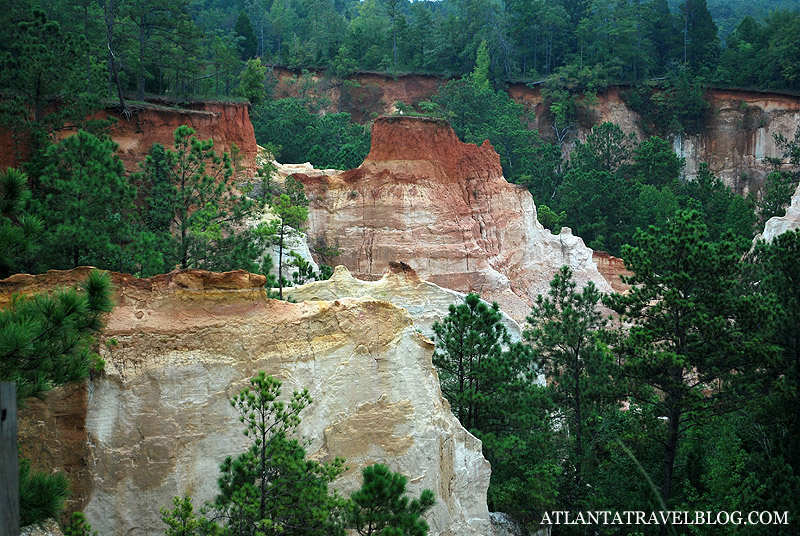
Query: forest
[690,404]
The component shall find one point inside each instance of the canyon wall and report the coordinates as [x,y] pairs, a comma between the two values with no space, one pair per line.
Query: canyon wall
[441,206]
[737,139]
[156,422]
[226,123]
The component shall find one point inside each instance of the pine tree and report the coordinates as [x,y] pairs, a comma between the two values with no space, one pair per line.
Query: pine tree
[380,507]
[693,334]
[272,488]
[244,31]
[291,211]
[565,332]
[46,339]
[19,232]
[192,194]
[85,202]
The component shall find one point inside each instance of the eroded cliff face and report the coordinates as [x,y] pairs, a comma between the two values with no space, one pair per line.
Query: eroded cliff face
[226,123]
[790,221]
[738,137]
[441,206]
[400,285]
[157,422]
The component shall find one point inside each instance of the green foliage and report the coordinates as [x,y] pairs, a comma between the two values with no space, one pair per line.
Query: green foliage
[701,44]
[272,488]
[78,526]
[182,520]
[290,209]
[251,85]
[676,105]
[46,339]
[192,209]
[778,189]
[19,231]
[781,183]
[491,386]
[688,322]
[477,113]
[480,75]
[41,494]
[43,92]
[244,31]
[328,141]
[723,210]
[565,331]
[381,507]
[549,219]
[83,202]
[656,163]
[569,93]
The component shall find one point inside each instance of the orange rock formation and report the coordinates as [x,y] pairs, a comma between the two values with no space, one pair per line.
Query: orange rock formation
[227,124]
[443,207]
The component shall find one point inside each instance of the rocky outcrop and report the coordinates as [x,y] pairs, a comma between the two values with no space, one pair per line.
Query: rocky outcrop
[46,528]
[425,302]
[157,422]
[612,269]
[441,206]
[790,221]
[227,123]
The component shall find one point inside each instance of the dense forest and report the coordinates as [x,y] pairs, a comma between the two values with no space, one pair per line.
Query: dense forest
[196,48]
[691,404]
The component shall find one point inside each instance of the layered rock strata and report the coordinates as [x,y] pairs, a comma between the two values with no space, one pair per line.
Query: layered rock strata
[443,207]
[737,138]
[400,285]
[227,123]
[157,422]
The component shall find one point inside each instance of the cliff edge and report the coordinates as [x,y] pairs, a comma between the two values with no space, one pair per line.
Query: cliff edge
[156,422]
[443,207]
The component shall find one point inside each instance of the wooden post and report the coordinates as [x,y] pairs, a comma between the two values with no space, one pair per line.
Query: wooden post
[9,462]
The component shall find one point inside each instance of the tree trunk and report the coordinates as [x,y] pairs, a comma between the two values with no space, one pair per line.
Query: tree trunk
[280,264]
[110,40]
[140,73]
[670,452]
[86,33]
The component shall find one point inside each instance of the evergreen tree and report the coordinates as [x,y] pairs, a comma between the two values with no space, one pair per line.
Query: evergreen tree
[84,202]
[380,506]
[252,83]
[291,210]
[45,86]
[192,193]
[19,232]
[272,489]
[565,332]
[46,339]
[723,210]
[491,386]
[244,31]
[693,334]
[701,44]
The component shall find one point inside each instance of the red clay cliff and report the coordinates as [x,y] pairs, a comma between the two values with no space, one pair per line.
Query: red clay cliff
[443,207]
[226,123]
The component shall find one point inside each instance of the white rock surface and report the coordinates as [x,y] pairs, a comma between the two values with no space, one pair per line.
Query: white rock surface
[159,423]
[778,225]
[401,286]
